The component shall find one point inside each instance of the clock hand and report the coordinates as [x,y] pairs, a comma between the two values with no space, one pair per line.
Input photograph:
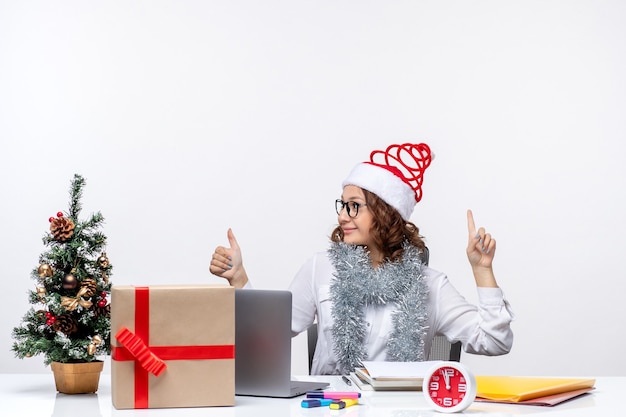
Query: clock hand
[446,377]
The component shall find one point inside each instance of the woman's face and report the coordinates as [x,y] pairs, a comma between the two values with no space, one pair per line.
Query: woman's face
[356,230]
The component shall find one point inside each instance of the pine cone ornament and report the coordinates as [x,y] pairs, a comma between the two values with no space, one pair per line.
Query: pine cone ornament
[88,287]
[65,324]
[102,310]
[61,228]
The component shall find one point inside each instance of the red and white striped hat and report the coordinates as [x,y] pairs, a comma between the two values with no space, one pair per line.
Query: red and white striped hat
[395,175]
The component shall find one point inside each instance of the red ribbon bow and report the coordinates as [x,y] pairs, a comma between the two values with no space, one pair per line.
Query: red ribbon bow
[136,347]
[408,161]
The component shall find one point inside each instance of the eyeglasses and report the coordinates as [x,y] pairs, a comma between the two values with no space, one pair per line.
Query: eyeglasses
[352,207]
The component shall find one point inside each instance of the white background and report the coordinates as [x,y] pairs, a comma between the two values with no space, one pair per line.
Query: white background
[189,117]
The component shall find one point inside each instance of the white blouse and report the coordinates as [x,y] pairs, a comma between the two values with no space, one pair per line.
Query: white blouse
[483,329]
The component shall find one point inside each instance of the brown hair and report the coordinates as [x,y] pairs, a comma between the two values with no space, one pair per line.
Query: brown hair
[389,229]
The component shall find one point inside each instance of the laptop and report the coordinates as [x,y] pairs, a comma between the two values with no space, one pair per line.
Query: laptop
[263,345]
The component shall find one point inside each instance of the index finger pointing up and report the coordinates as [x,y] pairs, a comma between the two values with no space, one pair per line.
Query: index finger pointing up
[471,227]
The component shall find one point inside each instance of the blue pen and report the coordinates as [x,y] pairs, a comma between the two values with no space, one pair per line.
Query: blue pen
[318,402]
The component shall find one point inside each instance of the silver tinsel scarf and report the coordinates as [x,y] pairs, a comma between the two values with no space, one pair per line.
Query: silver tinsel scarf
[357,285]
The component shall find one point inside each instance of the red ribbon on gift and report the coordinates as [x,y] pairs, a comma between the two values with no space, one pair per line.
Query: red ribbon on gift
[150,359]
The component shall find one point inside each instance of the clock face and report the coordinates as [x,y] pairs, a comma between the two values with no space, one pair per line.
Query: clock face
[449,387]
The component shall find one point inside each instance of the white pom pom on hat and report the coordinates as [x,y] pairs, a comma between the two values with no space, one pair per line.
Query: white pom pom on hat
[395,175]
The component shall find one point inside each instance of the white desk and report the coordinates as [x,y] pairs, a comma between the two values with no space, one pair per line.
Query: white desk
[24,395]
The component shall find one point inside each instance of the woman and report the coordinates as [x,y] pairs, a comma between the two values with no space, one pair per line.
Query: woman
[373,297]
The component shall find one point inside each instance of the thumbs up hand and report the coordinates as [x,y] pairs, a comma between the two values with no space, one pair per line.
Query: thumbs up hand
[226,263]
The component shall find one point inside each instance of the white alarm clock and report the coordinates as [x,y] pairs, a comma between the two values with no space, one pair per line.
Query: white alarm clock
[449,387]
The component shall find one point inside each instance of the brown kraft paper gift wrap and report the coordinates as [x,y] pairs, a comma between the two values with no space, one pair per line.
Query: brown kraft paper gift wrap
[188,328]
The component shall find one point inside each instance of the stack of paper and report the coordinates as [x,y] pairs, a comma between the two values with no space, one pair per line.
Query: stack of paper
[380,375]
[530,390]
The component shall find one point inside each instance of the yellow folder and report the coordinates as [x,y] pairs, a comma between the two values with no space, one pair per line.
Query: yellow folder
[519,388]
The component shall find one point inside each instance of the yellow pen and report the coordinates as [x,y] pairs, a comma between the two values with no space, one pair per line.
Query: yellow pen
[346,402]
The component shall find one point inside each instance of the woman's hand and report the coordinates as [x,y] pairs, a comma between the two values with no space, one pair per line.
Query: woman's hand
[481,248]
[226,263]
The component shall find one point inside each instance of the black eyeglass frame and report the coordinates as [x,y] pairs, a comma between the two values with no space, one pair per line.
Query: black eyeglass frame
[340,205]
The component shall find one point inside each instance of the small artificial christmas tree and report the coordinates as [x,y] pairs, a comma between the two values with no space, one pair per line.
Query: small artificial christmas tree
[71,323]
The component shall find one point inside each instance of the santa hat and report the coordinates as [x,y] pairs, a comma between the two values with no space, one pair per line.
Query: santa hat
[395,175]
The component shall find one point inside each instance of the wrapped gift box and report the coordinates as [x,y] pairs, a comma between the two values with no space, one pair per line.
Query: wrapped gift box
[172,346]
